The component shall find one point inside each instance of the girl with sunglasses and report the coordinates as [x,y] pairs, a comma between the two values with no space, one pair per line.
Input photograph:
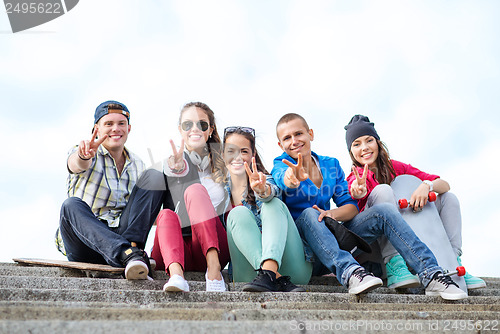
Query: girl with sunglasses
[262,235]
[189,235]
[373,170]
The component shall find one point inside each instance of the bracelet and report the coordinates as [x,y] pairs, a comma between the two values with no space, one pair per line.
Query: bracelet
[83,158]
[178,170]
[430,184]
[265,191]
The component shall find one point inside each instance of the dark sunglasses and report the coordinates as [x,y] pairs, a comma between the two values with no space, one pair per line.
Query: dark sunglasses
[231,129]
[188,125]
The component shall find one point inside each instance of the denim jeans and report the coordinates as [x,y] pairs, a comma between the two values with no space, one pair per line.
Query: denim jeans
[88,239]
[318,238]
[381,219]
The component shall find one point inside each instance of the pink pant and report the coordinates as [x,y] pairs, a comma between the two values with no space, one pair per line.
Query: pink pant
[207,232]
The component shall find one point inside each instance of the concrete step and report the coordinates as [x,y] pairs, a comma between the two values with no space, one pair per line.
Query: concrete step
[231,326]
[13,269]
[216,314]
[26,282]
[144,297]
[55,300]
[259,305]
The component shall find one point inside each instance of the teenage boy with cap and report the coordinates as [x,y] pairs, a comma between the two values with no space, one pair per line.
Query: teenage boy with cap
[102,220]
[309,181]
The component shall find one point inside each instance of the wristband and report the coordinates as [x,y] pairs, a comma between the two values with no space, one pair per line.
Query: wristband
[430,184]
[83,158]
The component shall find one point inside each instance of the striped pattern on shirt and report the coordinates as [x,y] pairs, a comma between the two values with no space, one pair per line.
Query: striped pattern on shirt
[102,188]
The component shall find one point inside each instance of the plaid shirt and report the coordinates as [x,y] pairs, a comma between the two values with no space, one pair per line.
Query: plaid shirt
[102,188]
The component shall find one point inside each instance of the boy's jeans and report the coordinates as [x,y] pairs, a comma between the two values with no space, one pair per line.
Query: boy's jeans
[381,219]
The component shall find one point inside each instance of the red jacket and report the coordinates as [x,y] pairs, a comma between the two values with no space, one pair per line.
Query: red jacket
[400,169]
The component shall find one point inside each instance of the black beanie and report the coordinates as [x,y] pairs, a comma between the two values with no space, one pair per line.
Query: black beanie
[359,126]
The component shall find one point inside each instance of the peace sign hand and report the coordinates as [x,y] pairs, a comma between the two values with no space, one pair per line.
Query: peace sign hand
[256,179]
[358,186]
[176,160]
[88,148]
[295,173]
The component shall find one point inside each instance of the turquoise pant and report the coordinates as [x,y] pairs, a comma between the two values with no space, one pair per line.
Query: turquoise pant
[279,241]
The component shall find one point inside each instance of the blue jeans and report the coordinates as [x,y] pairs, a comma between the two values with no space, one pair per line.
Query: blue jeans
[88,239]
[380,219]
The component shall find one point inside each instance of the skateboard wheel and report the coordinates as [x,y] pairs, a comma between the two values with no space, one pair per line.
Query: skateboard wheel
[432,196]
[461,271]
[403,203]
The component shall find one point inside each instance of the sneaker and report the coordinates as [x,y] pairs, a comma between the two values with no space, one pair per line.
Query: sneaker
[152,264]
[398,275]
[472,282]
[442,285]
[265,281]
[136,263]
[176,283]
[285,285]
[215,285]
[362,281]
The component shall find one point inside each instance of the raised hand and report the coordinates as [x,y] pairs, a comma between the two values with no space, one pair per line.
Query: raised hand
[176,160]
[358,186]
[256,179]
[88,148]
[295,173]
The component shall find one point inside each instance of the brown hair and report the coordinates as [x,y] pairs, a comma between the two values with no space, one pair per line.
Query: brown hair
[290,117]
[384,172]
[258,160]
[214,146]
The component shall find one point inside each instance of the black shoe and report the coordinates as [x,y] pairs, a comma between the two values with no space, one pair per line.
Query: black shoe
[265,281]
[136,263]
[285,285]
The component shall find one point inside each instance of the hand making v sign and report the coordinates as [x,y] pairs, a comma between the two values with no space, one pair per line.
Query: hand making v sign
[256,179]
[295,173]
[88,148]
[176,160]
[358,186]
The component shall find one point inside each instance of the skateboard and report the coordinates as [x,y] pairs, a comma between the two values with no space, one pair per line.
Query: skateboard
[428,227]
[89,269]
[403,202]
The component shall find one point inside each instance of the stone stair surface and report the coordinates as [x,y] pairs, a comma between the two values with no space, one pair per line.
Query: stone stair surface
[35,299]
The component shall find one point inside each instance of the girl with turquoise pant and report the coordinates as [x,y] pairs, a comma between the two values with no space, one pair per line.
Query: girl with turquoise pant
[265,246]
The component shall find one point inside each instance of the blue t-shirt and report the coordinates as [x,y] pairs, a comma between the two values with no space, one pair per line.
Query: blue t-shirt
[334,186]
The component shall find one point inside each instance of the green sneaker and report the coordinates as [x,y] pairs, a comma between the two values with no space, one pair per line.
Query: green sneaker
[472,282]
[398,275]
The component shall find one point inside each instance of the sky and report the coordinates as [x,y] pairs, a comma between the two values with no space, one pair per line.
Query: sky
[427,73]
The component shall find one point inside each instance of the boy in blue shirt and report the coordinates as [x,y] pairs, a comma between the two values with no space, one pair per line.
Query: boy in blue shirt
[309,181]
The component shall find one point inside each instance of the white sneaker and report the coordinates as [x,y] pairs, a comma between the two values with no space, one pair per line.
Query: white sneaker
[176,283]
[362,281]
[442,285]
[215,285]
[136,270]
